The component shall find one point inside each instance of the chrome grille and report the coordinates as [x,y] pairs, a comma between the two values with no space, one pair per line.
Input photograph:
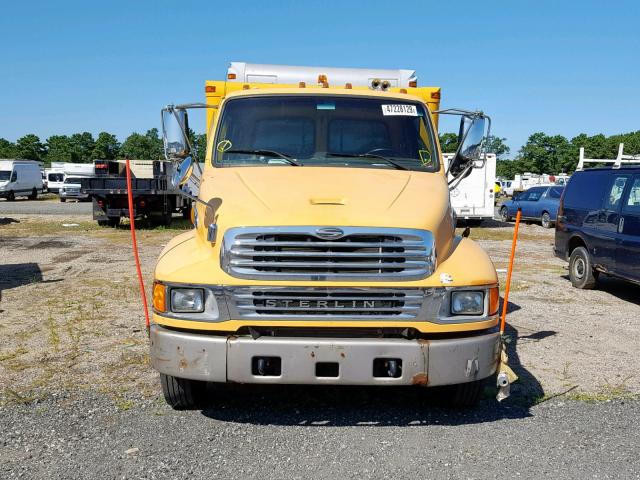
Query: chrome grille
[352,253]
[325,303]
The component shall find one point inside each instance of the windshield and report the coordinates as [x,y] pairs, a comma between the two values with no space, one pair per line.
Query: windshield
[56,177]
[71,180]
[5,175]
[322,130]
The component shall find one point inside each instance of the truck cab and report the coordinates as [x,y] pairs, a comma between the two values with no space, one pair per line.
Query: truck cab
[324,249]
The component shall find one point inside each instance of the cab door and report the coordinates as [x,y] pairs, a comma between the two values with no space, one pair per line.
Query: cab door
[628,241]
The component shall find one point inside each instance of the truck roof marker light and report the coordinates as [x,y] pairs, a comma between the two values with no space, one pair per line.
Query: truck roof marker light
[403,90]
[322,79]
[302,85]
[159,297]
[210,89]
[413,84]
[231,76]
[325,85]
[348,86]
[246,86]
[435,95]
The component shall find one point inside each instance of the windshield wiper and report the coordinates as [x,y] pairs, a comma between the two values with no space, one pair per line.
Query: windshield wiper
[368,155]
[267,153]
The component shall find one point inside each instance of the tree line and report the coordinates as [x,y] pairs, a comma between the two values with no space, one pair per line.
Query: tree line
[84,148]
[541,153]
[551,154]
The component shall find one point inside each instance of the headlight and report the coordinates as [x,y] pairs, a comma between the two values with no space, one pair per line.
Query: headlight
[467,302]
[187,300]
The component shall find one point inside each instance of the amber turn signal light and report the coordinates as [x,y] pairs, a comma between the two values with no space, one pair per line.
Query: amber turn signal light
[159,297]
[494,300]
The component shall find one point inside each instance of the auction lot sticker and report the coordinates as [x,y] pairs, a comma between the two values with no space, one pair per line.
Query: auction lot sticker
[400,109]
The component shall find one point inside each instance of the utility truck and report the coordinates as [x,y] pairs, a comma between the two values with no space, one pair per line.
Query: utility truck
[152,195]
[324,249]
[473,200]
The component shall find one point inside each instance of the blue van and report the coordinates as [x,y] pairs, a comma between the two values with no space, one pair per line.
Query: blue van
[598,225]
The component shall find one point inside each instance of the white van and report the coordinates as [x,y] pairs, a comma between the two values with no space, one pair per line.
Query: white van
[55,179]
[20,178]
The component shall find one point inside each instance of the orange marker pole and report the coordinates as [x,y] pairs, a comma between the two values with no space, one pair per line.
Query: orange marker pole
[509,272]
[132,224]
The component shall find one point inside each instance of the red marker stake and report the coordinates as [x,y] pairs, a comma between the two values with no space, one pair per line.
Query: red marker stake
[132,224]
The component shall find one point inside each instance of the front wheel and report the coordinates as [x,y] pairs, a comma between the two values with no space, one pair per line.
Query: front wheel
[34,194]
[504,214]
[11,196]
[581,271]
[546,220]
[181,393]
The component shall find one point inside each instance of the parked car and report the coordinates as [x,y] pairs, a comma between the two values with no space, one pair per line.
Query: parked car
[71,189]
[598,228]
[20,178]
[537,203]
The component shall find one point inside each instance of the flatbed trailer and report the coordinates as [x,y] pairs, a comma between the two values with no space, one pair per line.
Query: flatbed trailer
[153,197]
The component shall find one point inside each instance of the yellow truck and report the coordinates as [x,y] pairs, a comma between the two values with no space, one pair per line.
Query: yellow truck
[324,249]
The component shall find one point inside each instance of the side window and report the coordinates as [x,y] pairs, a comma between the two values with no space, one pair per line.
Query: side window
[612,200]
[535,194]
[14,176]
[555,192]
[632,202]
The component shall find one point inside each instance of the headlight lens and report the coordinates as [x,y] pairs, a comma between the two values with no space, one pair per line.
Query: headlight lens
[467,302]
[187,300]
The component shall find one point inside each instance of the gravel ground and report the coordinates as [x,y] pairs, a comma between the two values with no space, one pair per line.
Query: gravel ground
[309,433]
[77,392]
[49,205]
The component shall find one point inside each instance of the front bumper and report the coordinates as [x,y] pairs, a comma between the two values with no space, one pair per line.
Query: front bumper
[73,195]
[216,358]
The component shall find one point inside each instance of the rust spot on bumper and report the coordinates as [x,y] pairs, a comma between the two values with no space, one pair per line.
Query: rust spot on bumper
[420,379]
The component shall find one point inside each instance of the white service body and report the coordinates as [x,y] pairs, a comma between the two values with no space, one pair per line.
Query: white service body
[288,74]
[474,198]
[20,178]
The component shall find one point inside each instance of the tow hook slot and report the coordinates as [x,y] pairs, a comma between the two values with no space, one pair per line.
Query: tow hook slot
[266,366]
[387,367]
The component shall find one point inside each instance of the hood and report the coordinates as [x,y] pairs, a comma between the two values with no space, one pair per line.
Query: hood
[259,196]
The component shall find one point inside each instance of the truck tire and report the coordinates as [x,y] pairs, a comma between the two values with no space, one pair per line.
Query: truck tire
[464,395]
[34,194]
[581,271]
[181,393]
[113,221]
[63,199]
[11,196]
[546,220]
[103,223]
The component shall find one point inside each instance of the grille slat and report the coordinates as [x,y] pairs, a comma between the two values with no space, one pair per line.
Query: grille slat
[300,303]
[358,253]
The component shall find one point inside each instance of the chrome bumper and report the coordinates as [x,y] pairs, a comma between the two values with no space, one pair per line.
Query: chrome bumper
[231,359]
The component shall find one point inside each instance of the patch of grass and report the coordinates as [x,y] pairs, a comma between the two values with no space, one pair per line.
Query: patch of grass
[607,392]
[52,327]
[11,355]
[38,228]
[124,405]
[499,234]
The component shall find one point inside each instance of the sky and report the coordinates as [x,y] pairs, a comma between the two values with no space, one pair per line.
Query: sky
[561,67]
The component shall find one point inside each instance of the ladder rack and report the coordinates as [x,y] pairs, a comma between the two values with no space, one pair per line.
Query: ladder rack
[620,160]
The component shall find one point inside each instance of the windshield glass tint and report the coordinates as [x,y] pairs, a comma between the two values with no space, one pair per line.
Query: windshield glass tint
[5,175]
[56,177]
[325,131]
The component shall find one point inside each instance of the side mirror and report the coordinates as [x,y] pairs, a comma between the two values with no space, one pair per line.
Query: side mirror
[175,125]
[470,140]
[182,172]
